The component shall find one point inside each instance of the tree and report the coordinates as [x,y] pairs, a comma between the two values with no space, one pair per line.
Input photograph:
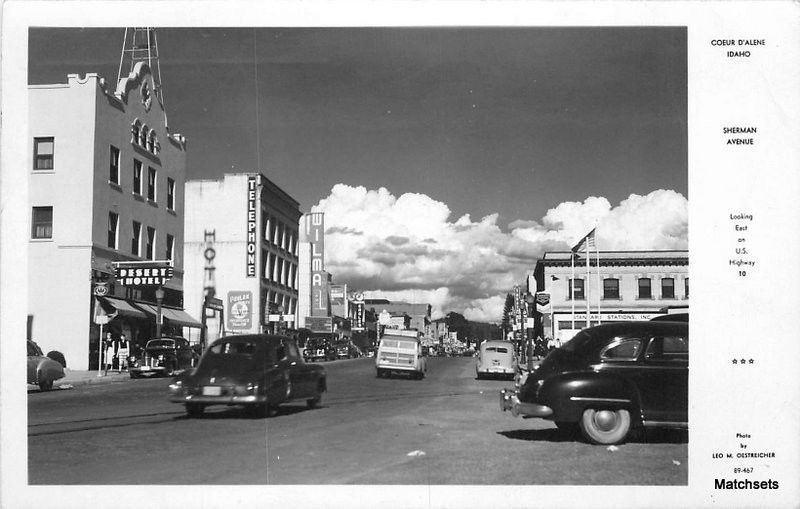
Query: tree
[507,309]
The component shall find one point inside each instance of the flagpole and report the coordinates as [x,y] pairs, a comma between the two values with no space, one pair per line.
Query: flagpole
[572,287]
[597,252]
[586,283]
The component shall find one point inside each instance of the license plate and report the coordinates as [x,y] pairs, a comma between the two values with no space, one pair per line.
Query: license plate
[212,391]
[145,368]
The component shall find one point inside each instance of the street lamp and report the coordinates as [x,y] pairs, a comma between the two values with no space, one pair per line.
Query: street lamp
[159,298]
[529,299]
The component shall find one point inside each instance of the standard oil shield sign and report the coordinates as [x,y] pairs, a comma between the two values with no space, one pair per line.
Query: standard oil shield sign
[240,310]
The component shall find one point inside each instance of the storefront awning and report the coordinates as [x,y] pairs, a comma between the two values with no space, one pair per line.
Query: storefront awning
[176,316]
[180,317]
[123,307]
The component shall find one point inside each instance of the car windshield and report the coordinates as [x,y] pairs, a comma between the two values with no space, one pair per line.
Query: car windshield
[160,343]
[403,345]
[233,348]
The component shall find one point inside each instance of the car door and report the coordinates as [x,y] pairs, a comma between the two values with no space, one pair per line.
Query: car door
[300,373]
[664,386]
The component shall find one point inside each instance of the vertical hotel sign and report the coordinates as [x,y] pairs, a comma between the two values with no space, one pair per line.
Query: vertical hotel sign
[252,192]
[315,233]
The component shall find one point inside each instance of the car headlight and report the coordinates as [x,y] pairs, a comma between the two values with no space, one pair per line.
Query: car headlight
[176,387]
[252,388]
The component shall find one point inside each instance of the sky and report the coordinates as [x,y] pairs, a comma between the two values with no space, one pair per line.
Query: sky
[446,160]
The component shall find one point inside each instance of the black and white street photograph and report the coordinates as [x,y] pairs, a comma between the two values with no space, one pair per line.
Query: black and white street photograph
[418,254]
[358,256]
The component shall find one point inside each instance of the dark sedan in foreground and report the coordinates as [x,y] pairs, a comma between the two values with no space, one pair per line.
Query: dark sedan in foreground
[610,379]
[258,371]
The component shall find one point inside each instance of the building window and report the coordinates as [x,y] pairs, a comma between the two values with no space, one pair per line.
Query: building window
[137,177]
[579,293]
[113,222]
[142,141]
[667,288]
[43,149]
[686,287]
[113,165]
[151,184]
[136,239]
[271,268]
[267,222]
[151,242]
[170,194]
[151,142]
[135,128]
[644,288]
[611,288]
[42,223]
[170,247]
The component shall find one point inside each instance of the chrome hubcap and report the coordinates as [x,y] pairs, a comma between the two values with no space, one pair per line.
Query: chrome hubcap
[605,420]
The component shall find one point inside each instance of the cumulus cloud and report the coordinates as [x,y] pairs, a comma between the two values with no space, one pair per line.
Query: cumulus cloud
[408,248]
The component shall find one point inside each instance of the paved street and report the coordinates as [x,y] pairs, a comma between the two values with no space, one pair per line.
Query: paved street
[367,431]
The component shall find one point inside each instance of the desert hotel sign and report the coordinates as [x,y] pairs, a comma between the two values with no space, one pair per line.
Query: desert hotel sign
[252,192]
[315,233]
[155,273]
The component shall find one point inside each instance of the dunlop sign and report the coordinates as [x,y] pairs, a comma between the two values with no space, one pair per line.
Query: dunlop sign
[143,276]
[252,185]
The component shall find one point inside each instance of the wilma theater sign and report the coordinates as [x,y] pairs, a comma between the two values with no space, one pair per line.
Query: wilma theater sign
[315,233]
[155,273]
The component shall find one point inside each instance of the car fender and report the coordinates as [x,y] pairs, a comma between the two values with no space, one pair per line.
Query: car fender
[48,369]
[569,394]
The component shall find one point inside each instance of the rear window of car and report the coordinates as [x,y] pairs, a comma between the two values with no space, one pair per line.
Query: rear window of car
[498,349]
[233,348]
[161,343]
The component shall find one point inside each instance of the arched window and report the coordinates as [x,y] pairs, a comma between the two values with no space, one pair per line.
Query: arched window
[136,127]
[143,136]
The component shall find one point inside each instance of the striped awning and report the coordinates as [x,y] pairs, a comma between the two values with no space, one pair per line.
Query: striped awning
[176,316]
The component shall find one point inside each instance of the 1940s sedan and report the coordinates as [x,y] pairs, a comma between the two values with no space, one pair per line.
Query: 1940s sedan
[610,379]
[258,371]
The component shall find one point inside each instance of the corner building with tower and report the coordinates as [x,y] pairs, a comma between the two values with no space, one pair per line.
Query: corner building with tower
[106,179]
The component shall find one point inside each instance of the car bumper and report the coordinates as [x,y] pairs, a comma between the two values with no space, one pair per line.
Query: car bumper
[496,370]
[219,400]
[509,400]
[148,370]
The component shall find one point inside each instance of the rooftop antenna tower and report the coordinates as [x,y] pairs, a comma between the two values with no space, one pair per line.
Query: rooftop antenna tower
[140,44]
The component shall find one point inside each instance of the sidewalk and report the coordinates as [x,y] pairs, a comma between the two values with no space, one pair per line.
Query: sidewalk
[73,378]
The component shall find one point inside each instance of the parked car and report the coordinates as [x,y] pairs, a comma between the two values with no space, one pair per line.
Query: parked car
[259,371]
[610,379]
[496,358]
[318,349]
[163,357]
[398,353]
[42,371]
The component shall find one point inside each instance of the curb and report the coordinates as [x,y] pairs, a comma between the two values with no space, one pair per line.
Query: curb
[92,379]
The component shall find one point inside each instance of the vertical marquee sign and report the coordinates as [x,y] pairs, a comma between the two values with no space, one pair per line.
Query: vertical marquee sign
[252,192]
[315,232]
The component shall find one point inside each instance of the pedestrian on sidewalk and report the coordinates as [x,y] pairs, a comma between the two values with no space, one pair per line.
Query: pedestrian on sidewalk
[123,350]
[109,348]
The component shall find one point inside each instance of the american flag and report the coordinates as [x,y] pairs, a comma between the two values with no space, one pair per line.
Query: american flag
[586,242]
